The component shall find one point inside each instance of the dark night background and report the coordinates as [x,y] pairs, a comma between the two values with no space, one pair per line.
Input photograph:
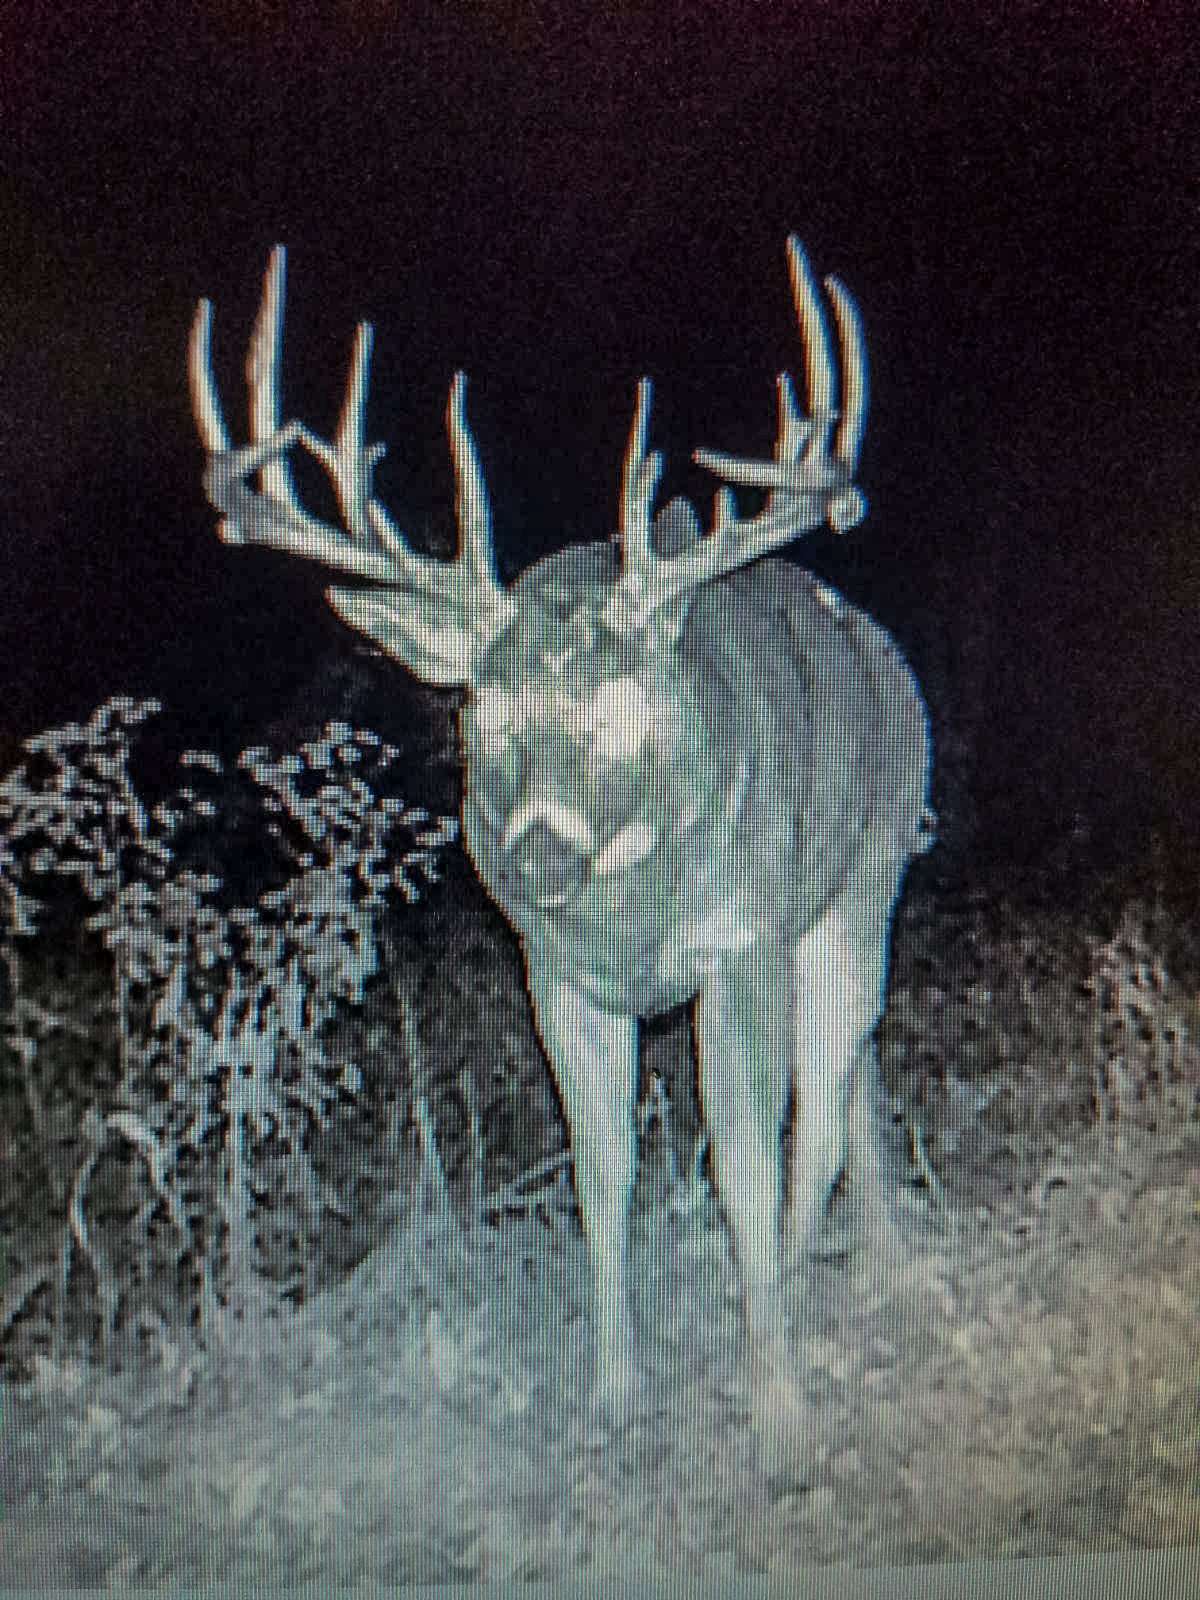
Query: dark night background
[560,198]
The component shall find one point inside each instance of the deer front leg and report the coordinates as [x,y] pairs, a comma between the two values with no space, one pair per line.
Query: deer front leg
[744,1044]
[593,1055]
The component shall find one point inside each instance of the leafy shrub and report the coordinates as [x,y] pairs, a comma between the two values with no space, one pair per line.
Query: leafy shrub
[190,1082]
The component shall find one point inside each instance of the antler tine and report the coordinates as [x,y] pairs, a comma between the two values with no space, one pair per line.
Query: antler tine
[206,404]
[371,546]
[262,380]
[814,335]
[855,383]
[473,509]
[639,484]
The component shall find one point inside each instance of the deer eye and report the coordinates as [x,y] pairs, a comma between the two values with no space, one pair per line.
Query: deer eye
[618,718]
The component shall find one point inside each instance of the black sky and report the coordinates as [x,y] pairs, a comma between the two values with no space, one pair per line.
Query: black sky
[561,198]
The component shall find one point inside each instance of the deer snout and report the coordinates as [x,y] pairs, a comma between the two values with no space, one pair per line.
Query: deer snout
[549,846]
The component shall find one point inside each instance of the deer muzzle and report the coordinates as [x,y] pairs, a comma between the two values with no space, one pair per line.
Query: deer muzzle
[548,846]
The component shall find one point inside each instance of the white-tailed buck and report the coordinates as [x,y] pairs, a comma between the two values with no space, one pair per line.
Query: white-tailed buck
[689,773]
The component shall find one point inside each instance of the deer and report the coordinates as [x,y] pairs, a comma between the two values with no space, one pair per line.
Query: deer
[692,772]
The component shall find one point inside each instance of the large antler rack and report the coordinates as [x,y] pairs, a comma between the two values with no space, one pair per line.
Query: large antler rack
[370,546]
[810,478]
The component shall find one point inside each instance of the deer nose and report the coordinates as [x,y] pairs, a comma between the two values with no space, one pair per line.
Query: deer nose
[548,846]
[551,869]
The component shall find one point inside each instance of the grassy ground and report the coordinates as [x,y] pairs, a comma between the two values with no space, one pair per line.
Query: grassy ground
[1021,1379]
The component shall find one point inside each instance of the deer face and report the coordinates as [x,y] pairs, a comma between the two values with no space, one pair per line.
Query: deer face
[585,753]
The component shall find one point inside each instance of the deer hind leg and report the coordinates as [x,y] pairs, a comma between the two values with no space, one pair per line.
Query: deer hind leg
[837,1007]
[841,969]
[593,1055]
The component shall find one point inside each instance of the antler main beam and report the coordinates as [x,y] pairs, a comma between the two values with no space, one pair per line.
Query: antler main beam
[810,477]
[370,546]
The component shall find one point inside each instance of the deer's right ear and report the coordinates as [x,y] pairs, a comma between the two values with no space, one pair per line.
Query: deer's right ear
[433,640]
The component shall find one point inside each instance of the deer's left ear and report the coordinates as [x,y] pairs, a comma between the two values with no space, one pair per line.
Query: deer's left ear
[435,641]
